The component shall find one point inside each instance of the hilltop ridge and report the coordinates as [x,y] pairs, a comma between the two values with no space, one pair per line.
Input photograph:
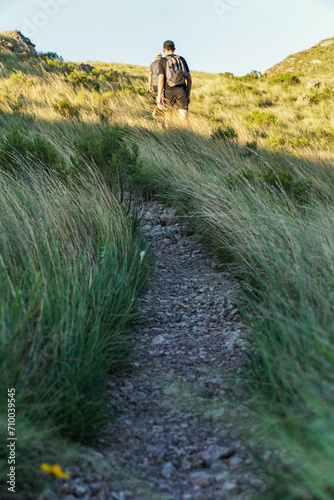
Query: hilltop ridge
[318,60]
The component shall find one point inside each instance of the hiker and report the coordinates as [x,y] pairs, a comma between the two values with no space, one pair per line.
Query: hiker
[174,83]
[153,73]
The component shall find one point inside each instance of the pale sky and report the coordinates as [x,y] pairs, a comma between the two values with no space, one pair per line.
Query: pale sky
[213,35]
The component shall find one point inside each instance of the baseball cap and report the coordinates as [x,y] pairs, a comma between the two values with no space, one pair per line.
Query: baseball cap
[158,56]
[169,45]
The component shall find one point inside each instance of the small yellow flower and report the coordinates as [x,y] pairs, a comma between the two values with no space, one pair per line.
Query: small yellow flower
[55,470]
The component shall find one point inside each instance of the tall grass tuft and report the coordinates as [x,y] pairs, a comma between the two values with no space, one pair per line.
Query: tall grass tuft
[71,271]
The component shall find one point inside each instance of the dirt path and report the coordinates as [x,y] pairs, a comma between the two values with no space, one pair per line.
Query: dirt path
[173,436]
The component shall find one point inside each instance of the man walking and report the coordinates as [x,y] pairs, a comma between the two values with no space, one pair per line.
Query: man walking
[153,74]
[175,83]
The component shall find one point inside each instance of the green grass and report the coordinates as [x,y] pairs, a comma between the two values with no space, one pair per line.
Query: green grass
[281,247]
[72,266]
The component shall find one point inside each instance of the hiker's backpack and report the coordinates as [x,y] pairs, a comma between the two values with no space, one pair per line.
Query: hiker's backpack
[176,72]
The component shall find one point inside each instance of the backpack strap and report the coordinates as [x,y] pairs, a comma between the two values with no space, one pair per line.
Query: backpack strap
[171,56]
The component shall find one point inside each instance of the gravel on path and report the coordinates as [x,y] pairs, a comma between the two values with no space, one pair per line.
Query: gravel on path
[169,432]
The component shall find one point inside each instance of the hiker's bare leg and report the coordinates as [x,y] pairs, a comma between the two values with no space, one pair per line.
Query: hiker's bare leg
[184,117]
[168,117]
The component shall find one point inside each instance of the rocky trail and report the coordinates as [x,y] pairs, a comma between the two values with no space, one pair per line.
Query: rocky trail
[174,437]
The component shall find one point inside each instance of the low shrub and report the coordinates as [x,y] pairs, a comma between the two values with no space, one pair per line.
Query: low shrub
[323,133]
[107,95]
[66,109]
[286,79]
[127,90]
[58,65]
[239,88]
[116,161]
[252,145]
[16,149]
[227,134]
[81,78]
[263,119]
[104,113]
[279,179]
[214,119]
[50,56]
[275,141]
[111,75]
[228,75]
[16,79]
[16,103]
[253,75]
[97,71]
[267,103]
[298,142]
[142,91]
[325,95]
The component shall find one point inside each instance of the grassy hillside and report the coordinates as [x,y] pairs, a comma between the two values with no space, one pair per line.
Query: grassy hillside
[313,62]
[254,177]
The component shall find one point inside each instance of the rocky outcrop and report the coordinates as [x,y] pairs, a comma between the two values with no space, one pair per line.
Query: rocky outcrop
[15,42]
[314,84]
[86,67]
[326,43]
[303,100]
